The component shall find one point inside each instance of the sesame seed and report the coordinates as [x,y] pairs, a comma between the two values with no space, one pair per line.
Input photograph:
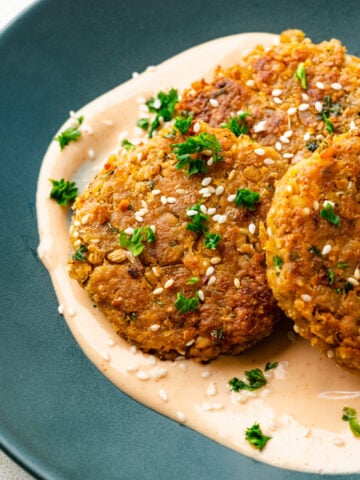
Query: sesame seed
[328,203]
[211,390]
[210,271]
[222,219]
[306,211]
[133,349]
[157,103]
[76,223]
[307,136]
[316,205]
[169,283]
[276,92]
[206,181]
[180,191]
[216,217]
[303,107]
[201,295]
[203,209]
[284,139]
[336,86]
[110,342]
[305,97]
[152,360]
[213,102]
[91,153]
[219,190]
[353,281]
[139,218]
[71,312]
[352,125]
[236,283]
[158,291]
[231,198]
[326,249]
[330,354]
[188,344]
[196,127]
[292,110]
[106,357]
[141,375]
[153,228]
[77,242]
[212,280]
[215,260]
[232,174]
[269,161]
[181,416]
[163,199]
[289,188]
[259,151]
[211,211]
[132,368]
[154,328]
[250,83]
[278,100]
[320,85]
[158,372]
[144,204]
[210,161]
[260,126]
[163,395]
[204,190]
[191,213]
[318,107]
[288,133]
[288,155]
[155,192]
[306,298]
[357,273]
[252,228]
[278,146]
[205,374]
[171,200]
[129,231]
[61,309]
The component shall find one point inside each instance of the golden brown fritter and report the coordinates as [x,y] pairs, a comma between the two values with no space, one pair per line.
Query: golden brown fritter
[313,249]
[199,287]
[297,94]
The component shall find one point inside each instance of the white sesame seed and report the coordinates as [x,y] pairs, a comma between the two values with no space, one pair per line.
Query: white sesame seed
[259,151]
[133,349]
[278,146]
[303,107]
[158,372]
[191,213]
[181,417]
[288,133]
[284,139]
[210,161]
[196,127]
[269,161]
[305,97]
[306,211]
[357,273]
[211,390]
[206,181]
[141,375]
[155,192]
[201,295]
[205,374]
[106,357]
[318,107]
[215,260]
[154,327]
[212,280]
[204,190]
[61,309]
[276,92]
[328,203]
[139,218]
[203,209]
[210,271]
[288,155]
[157,103]
[330,354]
[316,205]
[278,100]
[163,395]
[260,126]
[129,231]
[132,368]
[236,283]
[320,85]
[231,198]
[211,211]
[163,199]
[76,223]
[153,228]
[222,219]
[352,125]
[250,83]
[171,200]
[306,298]
[158,291]
[336,86]
[326,249]
[213,102]
[180,191]
[188,344]
[77,242]
[292,110]
[71,312]
[110,342]
[252,228]
[219,190]
[289,188]
[144,204]
[307,136]
[353,281]
[169,283]
[216,217]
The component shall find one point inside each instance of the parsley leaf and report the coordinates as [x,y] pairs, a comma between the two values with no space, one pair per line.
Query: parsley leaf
[63,191]
[197,222]
[246,198]
[349,415]
[270,366]
[143,123]
[278,263]
[70,134]
[135,243]
[212,240]
[164,106]
[127,145]
[255,437]
[313,249]
[79,254]
[237,124]
[193,280]
[184,304]
[328,124]
[300,75]
[328,214]
[183,123]
[255,377]
[331,276]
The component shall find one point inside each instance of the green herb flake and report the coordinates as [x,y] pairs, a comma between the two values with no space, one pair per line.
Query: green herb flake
[197,222]
[255,437]
[238,124]
[70,134]
[63,191]
[135,242]
[278,264]
[212,240]
[217,334]
[313,145]
[348,287]
[342,265]
[164,106]
[331,276]
[313,249]
[328,214]
[300,74]
[127,144]
[79,255]
[328,124]
[193,280]
[270,366]
[184,304]
[143,123]
[255,378]
[246,198]
[183,123]
[349,415]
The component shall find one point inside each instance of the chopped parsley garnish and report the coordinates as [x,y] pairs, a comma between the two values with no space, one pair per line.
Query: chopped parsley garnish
[184,304]
[255,378]
[79,255]
[195,145]
[328,124]
[63,191]
[255,437]
[342,265]
[270,366]
[127,145]
[212,240]
[197,222]
[349,415]
[328,214]
[143,123]
[313,145]
[348,287]
[313,249]
[164,106]
[246,198]
[329,109]
[217,333]
[135,242]
[71,134]
[278,264]
[183,123]
[237,124]
[300,74]
[193,280]
[331,276]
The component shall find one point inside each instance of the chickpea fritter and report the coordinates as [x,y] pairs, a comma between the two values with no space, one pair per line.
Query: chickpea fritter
[168,243]
[313,249]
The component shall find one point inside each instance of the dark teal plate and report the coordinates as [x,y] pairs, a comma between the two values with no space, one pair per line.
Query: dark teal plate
[59,417]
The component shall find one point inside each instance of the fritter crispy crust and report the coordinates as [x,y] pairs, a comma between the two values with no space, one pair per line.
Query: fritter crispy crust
[313,249]
[292,116]
[235,307]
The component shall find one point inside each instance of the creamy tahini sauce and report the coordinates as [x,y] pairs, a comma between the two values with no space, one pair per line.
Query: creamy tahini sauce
[300,407]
